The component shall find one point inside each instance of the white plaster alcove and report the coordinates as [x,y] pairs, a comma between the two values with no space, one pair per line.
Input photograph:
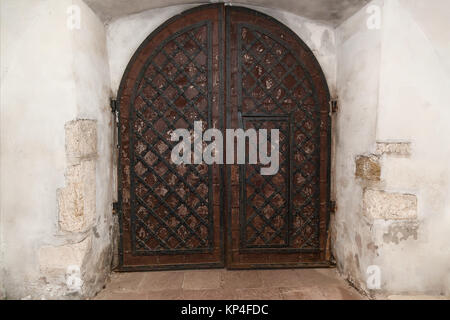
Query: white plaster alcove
[391,178]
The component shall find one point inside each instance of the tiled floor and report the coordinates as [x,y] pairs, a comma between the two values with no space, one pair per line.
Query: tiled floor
[299,284]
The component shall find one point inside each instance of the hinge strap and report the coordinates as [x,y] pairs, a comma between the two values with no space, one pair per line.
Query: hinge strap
[115,109]
[334,106]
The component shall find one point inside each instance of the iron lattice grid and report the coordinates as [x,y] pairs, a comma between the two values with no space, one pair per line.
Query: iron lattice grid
[174,92]
[274,82]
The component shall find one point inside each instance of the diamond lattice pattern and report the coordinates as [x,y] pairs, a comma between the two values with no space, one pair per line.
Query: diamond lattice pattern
[274,82]
[172,209]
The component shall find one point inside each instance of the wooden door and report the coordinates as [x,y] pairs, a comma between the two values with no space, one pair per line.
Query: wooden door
[171,215]
[228,67]
[274,81]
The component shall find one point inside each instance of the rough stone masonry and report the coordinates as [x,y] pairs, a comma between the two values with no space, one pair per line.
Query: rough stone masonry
[62,266]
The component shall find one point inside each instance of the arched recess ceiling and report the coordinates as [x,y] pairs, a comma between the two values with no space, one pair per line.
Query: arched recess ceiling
[330,11]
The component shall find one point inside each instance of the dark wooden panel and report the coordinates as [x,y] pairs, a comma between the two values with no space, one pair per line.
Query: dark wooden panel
[168,214]
[278,220]
[179,216]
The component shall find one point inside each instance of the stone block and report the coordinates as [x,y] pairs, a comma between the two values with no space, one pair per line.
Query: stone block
[397,148]
[57,260]
[77,200]
[81,140]
[389,206]
[368,168]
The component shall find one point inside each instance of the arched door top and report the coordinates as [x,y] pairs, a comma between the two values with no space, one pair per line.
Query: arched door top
[229,67]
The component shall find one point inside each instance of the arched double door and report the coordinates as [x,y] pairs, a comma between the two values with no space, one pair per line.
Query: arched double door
[229,67]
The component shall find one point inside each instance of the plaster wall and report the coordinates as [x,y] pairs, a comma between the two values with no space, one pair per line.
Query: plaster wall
[331,11]
[413,107]
[50,75]
[91,76]
[37,99]
[393,88]
[358,65]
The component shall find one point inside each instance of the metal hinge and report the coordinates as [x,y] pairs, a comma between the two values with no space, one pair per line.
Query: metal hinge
[115,208]
[333,206]
[115,109]
[113,105]
[334,106]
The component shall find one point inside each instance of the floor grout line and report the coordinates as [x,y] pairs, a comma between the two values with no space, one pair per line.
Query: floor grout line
[230,285]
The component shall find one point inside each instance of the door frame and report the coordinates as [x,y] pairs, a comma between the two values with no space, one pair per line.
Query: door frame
[225,170]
